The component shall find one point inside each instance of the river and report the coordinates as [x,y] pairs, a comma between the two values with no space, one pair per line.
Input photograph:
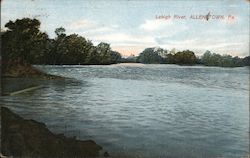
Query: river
[137,110]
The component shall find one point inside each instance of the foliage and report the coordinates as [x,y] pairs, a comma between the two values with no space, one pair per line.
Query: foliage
[159,55]
[246,61]
[150,56]
[23,43]
[213,59]
[187,57]
[184,57]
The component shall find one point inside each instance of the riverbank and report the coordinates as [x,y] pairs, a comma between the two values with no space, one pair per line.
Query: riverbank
[28,138]
[25,71]
[22,76]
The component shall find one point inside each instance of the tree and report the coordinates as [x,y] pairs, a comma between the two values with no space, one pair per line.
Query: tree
[23,42]
[150,56]
[57,47]
[214,59]
[185,57]
[104,52]
[236,61]
[246,61]
[210,59]
[92,56]
[115,57]
[76,49]
[60,31]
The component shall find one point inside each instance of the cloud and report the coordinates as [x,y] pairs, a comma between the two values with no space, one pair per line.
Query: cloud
[90,25]
[112,34]
[82,24]
[127,50]
[123,38]
[199,45]
[91,28]
[161,30]
[156,24]
[167,34]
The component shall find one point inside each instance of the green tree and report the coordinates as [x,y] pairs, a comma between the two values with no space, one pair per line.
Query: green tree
[60,31]
[150,56]
[93,57]
[75,50]
[115,57]
[246,61]
[185,57]
[57,47]
[104,52]
[213,59]
[23,42]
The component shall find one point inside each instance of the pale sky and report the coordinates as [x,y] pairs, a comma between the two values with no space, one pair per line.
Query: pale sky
[130,26]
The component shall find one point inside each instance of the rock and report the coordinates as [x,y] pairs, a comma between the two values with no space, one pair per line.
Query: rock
[106,154]
[29,138]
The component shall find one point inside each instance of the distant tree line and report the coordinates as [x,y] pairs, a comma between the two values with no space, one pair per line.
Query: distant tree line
[151,56]
[213,59]
[160,56]
[24,43]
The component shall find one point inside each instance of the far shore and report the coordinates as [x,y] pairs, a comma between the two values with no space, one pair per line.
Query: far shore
[32,72]
[138,63]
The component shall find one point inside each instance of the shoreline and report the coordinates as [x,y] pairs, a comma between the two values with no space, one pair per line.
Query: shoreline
[30,71]
[141,63]
[29,138]
[27,71]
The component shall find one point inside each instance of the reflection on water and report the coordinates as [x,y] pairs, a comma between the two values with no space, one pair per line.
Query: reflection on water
[146,110]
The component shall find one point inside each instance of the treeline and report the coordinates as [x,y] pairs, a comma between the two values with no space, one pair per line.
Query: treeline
[24,43]
[160,56]
[213,59]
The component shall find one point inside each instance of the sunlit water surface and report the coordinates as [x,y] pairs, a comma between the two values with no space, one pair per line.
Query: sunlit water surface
[137,110]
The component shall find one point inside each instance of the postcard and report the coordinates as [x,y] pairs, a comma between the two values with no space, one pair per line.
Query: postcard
[125,78]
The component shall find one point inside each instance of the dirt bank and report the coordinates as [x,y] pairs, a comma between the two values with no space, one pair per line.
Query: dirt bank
[28,138]
[26,70]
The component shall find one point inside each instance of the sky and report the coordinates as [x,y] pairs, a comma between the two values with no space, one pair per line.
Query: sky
[130,26]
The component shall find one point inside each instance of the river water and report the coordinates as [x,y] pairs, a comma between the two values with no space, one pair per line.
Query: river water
[136,110]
